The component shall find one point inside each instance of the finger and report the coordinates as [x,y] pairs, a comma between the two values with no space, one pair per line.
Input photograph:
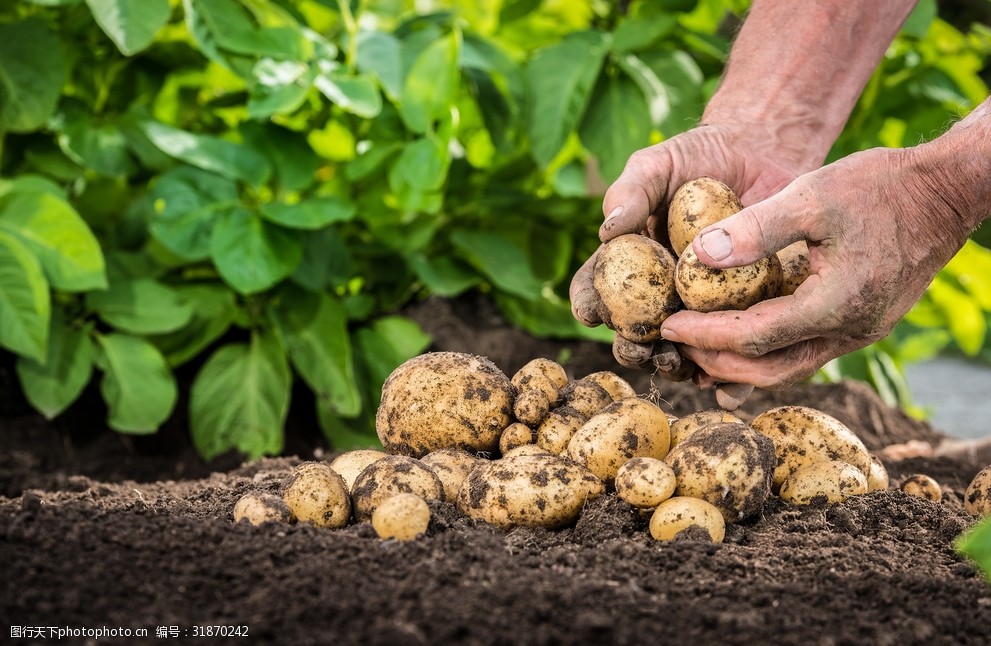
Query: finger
[670,364]
[732,396]
[773,370]
[585,302]
[630,354]
[634,195]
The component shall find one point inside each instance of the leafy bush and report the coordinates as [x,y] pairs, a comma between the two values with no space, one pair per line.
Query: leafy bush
[255,188]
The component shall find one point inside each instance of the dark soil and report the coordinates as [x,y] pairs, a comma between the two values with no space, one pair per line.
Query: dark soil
[98,531]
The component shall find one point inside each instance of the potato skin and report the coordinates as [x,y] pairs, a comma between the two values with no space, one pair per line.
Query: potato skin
[317,494]
[402,517]
[558,428]
[675,515]
[617,387]
[833,480]
[586,397]
[729,465]
[625,429]
[795,267]
[528,491]
[351,463]
[877,478]
[444,399]
[696,205]
[706,289]
[977,498]
[634,278]
[516,434]
[542,367]
[452,466]
[682,428]
[923,486]
[645,482]
[260,507]
[390,476]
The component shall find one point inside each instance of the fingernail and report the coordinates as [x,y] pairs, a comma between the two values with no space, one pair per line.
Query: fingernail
[670,335]
[615,213]
[717,244]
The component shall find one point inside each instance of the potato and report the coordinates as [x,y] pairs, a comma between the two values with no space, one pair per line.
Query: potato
[833,480]
[977,498]
[805,435]
[517,434]
[729,465]
[877,477]
[696,205]
[317,494]
[586,397]
[529,491]
[452,466]
[402,517]
[546,368]
[682,428]
[706,289]
[676,515]
[444,399]
[558,429]
[617,387]
[387,477]
[634,278]
[645,482]
[922,486]
[532,405]
[260,507]
[625,429]
[351,463]
[795,267]
[527,449]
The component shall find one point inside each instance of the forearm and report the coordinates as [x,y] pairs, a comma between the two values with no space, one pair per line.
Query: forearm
[799,66]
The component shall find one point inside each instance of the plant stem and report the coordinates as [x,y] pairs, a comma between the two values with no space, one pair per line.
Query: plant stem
[351,25]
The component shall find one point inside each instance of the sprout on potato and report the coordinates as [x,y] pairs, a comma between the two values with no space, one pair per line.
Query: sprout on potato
[683,514]
[402,517]
[834,481]
[260,507]
[317,494]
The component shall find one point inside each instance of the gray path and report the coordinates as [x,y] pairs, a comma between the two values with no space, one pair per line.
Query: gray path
[956,392]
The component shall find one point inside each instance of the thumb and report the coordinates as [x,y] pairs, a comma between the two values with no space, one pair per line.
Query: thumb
[751,234]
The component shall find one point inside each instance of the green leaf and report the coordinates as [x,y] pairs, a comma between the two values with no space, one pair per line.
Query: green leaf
[52,385]
[379,54]
[422,167]
[386,344]
[444,276]
[634,33]
[213,312]
[295,163]
[356,94]
[101,148]
[142,306]
[504,263]
[561,79]
[282,87]
[549,317]
[430,86]
[188,202]
[917,23]
[326,262]
[682,80]
[975,544]
[137,385]
[966,320]
[52,230]
[616,124]
[220,156]
[314,329]
[131,24]
[209,22]
[25,308]
[31,74]
[310,214]
[652,88]
[342,435]
[251,254]
[30,184]
[240,398]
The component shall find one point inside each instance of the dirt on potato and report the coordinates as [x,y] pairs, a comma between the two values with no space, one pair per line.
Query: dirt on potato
[98,529]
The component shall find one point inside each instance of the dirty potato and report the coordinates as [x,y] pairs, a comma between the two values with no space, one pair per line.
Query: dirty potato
[351,463]
[683,427]
[625,429]
[645,482]
[634,278]
[877,477]
[558,428]
[389,476]
[706,289]
[586,397]
[685,517]
[444,399]
[547,369]
[795,267]
[533,404]
[527,449]
[729,465]
[317,494]
[402,517]
[833,481]
[617,387]
[516,434]
[696,205]
[923,486]
[977,498]
[260,507]
[452,466]
[528,491]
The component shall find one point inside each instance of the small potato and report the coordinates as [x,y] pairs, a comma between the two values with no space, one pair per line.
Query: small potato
[922,486]
[402,517]
[516,434]
[528,491]
[678,514]
[558,429]
[729,465]
[260,507]
[531,406]
[351,463]
[682,428]
[645,482]
[833,480]
[696,205]
[634,278]
[452,466]
[317,494]
[795,267]
[977,498]
[444,399]
[625,429]
[546,368]
[617,387]
[586,397]
[804,435]
[706,289]
[527,449]
[387,477]
[877,477]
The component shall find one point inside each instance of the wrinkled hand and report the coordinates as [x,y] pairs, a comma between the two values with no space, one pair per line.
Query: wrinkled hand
[879,227]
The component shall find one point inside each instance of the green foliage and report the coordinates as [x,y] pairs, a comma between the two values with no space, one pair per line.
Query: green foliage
[254,188]
[975,544]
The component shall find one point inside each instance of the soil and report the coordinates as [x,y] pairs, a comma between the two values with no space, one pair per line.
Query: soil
[99,530]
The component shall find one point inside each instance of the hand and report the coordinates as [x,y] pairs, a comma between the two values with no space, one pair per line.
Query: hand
[879,224]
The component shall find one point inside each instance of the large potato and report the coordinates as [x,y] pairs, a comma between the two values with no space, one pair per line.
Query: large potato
[625,429]
[803,435]
[529,491]
[393,475]
[706,289]
[977,498]
[444,399]
[833,481]
[683,427]
[634,278]
[452,466]
[678,514]
[696,205]
[317,494]
[728,465]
